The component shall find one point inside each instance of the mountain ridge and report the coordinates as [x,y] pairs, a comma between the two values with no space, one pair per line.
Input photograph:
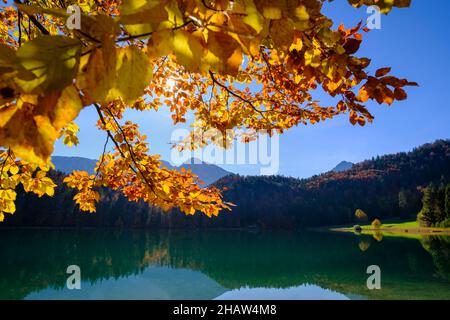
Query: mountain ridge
[206,172]
[343,166]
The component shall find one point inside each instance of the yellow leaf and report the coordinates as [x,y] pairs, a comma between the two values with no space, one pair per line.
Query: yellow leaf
[33,9]
[7,59]
[282,34]
[116,73]
[142,16]
[134,73]
[296,45]
[6,113]
[251,16]
[224,53]
[142,11]
[166,188]
[160,44]
[189,49]
[97,26]
[52,60]
[301,13]
[33,129]
[14,169]
[312,58]
[269,9]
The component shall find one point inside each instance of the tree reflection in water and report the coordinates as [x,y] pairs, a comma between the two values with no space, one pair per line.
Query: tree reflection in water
[33,260]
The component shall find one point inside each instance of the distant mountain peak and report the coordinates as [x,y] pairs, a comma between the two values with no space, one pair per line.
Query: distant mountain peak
[68,164]
[206,172]
[343,166]
[194,161]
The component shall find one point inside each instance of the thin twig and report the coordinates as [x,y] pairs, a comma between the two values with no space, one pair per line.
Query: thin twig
[128,38]
[35,21]
[103,157]
[103,121]
[8,154]
[130,149]
[234,93]
[20,26]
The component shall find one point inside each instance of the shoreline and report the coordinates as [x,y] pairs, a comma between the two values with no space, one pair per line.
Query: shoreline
[396,230]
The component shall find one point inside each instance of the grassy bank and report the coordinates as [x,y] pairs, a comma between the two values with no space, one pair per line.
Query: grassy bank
[408,229]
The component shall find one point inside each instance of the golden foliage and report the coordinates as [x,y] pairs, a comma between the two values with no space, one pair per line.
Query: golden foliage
[125,54]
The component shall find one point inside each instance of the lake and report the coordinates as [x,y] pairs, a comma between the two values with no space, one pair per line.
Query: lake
[219,265]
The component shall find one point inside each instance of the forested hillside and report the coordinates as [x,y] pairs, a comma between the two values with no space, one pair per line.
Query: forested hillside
[387,186]
[384,187]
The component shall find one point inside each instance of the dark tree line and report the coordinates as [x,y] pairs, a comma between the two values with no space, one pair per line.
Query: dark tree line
[383,187]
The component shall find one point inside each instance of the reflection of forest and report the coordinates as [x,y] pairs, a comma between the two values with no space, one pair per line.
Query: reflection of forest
[439,249]
[36,259]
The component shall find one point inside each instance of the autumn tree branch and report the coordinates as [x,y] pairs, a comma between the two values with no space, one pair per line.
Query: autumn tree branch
[234,94]
[103,156]
[8,155]
[135,169]
[128,38]
[35,21]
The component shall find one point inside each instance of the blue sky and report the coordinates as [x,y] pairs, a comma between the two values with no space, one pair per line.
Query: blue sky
[415,42]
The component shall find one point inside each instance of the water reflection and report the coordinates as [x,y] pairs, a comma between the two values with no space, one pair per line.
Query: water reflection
[303,292]
[154,283]
[207,265]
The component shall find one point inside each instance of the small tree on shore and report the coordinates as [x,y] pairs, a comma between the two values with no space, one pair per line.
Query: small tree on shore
[361,215]
[376,224]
